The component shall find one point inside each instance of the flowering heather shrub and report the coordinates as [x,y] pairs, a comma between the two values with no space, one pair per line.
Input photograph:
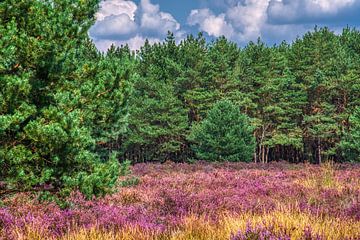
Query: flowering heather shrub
[168,194]
[261,232]
[309,235]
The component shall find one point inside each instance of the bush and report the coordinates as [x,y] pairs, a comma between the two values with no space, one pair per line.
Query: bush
[224,135]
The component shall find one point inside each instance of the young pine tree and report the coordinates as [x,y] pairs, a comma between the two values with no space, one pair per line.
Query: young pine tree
[224,135]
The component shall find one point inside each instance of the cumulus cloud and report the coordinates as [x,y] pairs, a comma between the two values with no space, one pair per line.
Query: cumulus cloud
[153,21]
[249,18]
[115,8]
[114,27]
[323,6]
[242,20]
[210,23]
[123,22]
[246,20]
[307,11]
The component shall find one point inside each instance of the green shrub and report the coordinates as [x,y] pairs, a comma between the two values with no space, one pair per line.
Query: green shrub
[126,171]
[130,181]
[224,135]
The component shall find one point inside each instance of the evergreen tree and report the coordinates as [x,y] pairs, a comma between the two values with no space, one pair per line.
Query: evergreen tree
[317,62]
[158,120]
[299,96]
[190,84]
[347,90]
[48,96]
[224,135]
[350,145]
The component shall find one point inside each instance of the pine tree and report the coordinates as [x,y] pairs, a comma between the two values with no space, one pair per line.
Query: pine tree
[350,144]
[158,121]
[317,62]
[190,84]
[224,135]
[48,96]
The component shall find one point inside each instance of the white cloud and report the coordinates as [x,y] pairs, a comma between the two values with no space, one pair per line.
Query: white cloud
[123,22]
[116,7]
[249,18]
[114,26]
[153,21]
[241,22]
[246,20]
[328,6]
[297,11]
[211,24]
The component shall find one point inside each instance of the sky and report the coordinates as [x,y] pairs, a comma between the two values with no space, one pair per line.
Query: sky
[129,22]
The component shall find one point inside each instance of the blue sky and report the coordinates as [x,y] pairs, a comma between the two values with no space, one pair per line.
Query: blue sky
[131,22]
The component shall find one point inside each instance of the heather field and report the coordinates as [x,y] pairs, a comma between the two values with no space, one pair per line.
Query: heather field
[202,201]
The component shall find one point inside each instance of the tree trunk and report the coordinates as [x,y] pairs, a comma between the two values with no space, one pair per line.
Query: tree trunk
[267,155]
[256,148]
[255,155]
[319,151]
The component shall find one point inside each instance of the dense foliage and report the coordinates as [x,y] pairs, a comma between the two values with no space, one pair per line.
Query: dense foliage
[224,135]
[67,109]
[61,102]
[350,144]
[300,97]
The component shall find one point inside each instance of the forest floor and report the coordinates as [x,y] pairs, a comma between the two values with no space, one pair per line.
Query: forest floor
[202,201]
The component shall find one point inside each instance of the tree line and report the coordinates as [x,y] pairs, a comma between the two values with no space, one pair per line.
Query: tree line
[300,96]
[69,112]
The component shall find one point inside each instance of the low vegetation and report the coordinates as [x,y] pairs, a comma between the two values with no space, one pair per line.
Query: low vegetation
[202,201]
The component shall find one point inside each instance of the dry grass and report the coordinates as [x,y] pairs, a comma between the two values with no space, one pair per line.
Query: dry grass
[197,228]
[322,177]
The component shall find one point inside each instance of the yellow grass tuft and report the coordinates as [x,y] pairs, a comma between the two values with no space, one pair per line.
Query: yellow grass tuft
[293,223]
[198,228]
[321,178]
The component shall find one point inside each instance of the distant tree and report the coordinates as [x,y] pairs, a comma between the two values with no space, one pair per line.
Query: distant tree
[318,62]
[190,84]
[158,121]
[350,144]
[224,135]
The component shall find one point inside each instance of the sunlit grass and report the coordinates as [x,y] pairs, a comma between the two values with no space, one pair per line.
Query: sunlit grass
[322,177]
[198,228]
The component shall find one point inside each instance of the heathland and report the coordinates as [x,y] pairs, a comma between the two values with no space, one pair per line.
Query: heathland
[203,201]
